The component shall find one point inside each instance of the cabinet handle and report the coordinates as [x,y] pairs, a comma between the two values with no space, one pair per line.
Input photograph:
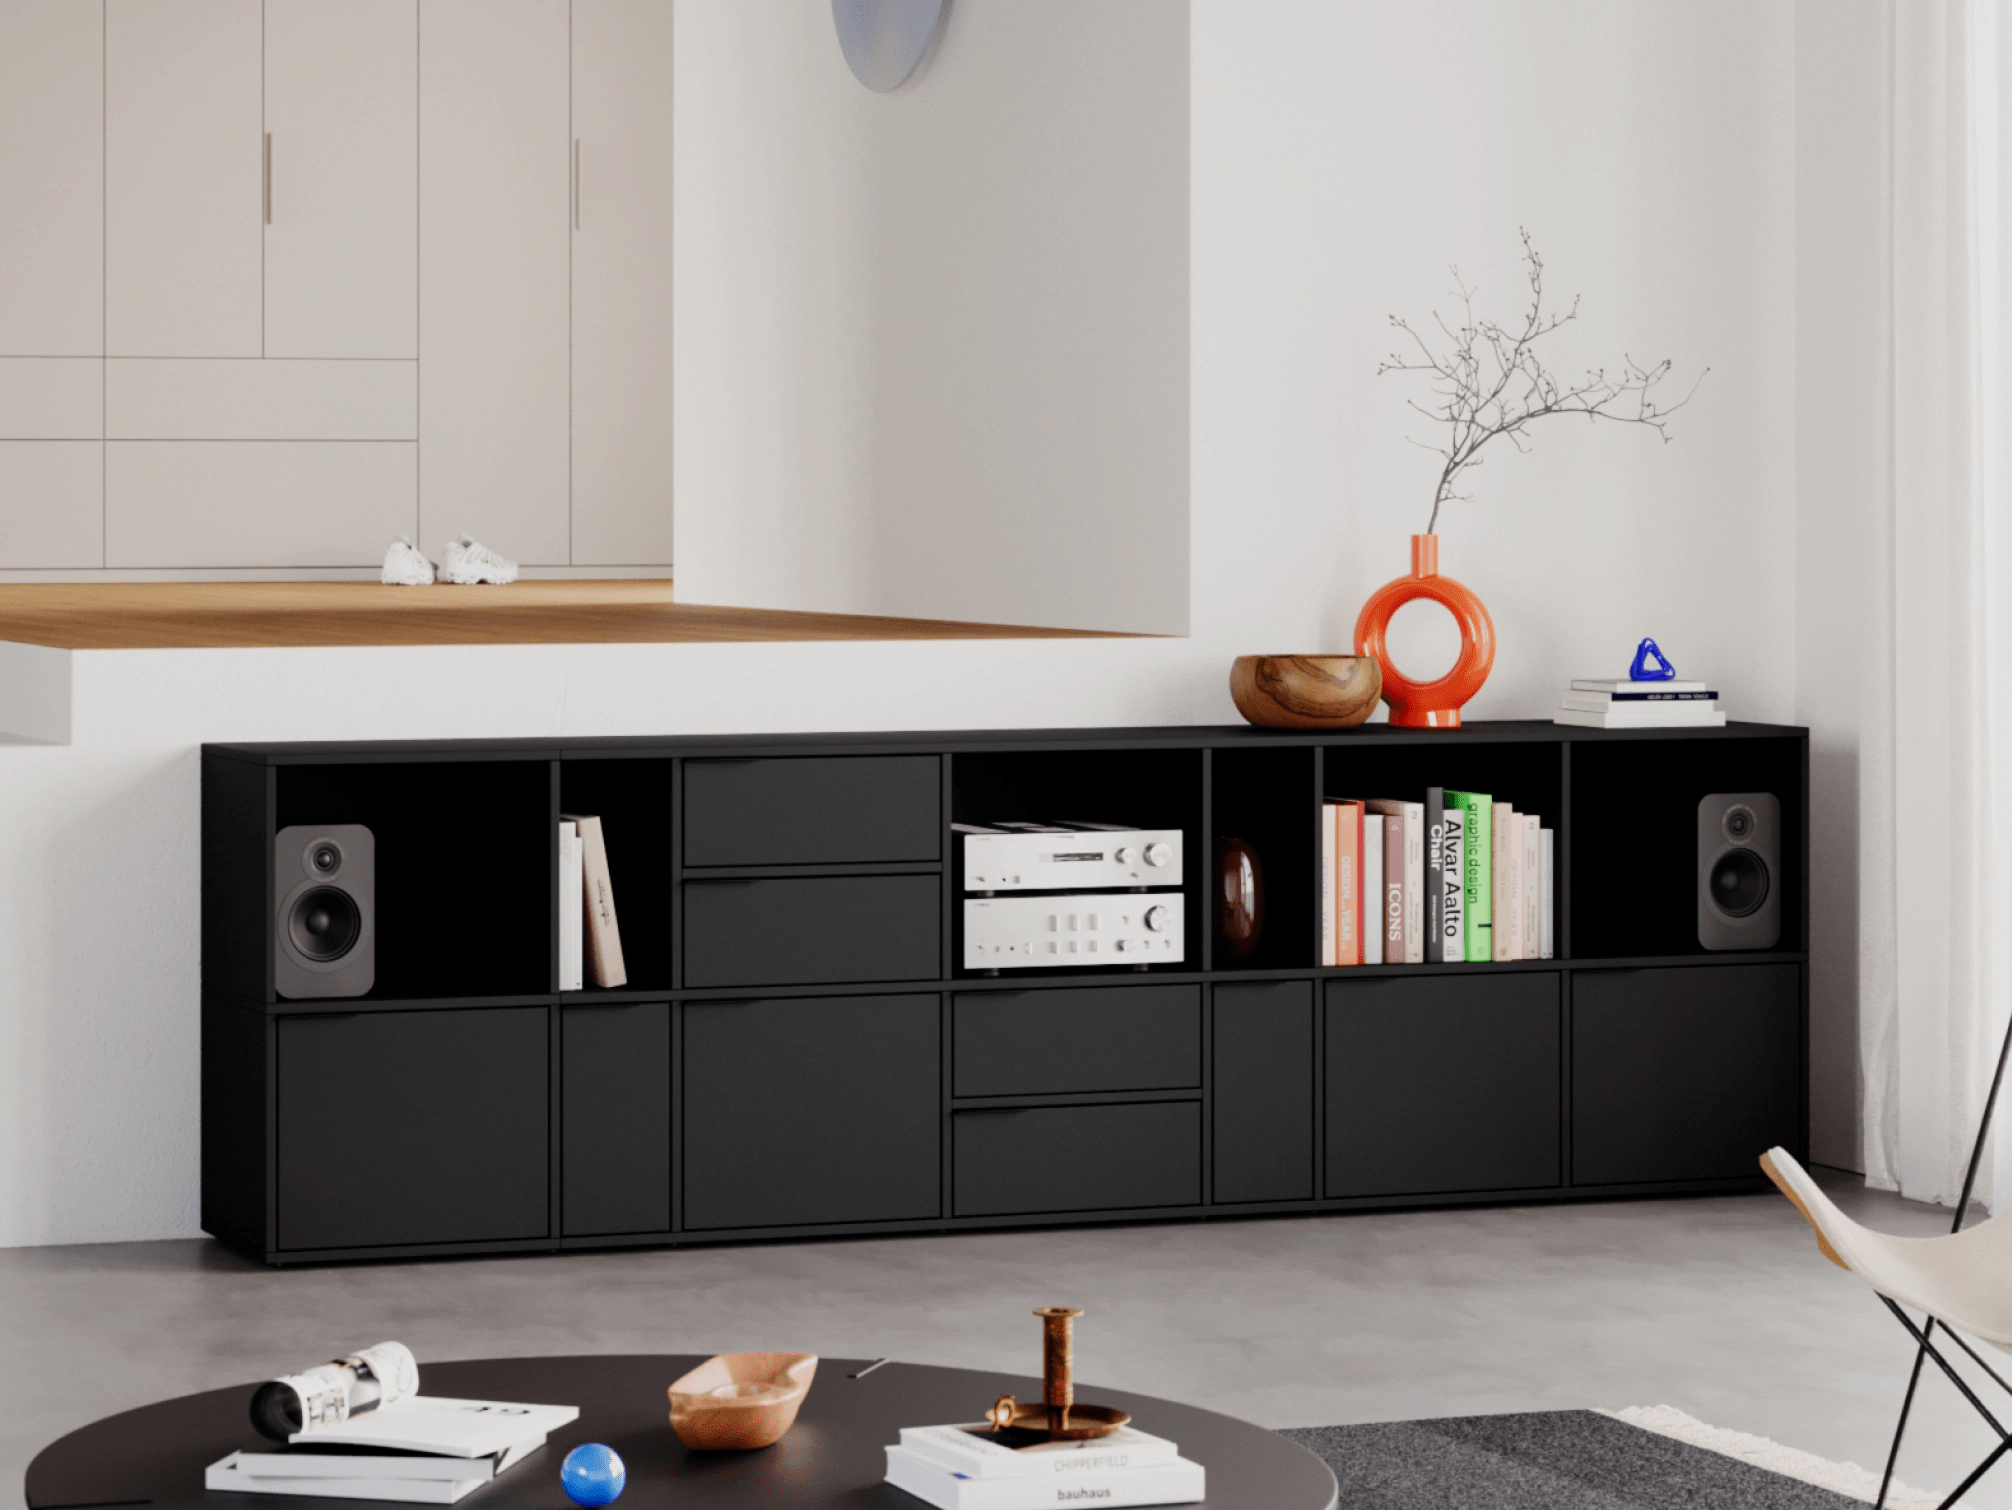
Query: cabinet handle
[266,171]
[576,183]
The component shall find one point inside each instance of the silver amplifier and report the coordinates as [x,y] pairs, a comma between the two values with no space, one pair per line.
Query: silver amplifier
[1073,857]
[1104,928]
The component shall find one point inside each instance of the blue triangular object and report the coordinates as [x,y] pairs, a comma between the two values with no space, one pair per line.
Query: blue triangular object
[1651,665]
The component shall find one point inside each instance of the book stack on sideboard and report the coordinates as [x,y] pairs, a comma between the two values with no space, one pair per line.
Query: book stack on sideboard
[797,1047]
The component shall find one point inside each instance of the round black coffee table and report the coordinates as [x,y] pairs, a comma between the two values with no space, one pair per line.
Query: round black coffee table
[155,1456]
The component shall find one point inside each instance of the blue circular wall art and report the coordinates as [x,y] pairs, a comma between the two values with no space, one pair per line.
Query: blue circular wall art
[884,40]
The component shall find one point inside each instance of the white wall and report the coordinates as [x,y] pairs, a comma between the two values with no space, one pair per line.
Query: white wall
[932,344]
[1341,156]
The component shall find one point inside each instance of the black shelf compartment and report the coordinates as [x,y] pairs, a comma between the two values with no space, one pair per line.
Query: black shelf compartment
[1526,774]
[1144,788]
[1262,796]
[1634,840]
[634,799]
[464,868]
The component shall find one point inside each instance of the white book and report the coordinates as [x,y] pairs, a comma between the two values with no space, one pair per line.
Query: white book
[1596,685]
[1533,888]
[228,1477]
[450,1428]
[1372,889]
[1329,937]
[1546,866]
[572,909]
[1599,702]
[368,1463]
[971,1451]
[1506,881]
[1646,716]
[1177,1483]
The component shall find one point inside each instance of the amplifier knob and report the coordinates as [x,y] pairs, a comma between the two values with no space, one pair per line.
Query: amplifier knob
[1159,854]
[1156,918]
[1123,854]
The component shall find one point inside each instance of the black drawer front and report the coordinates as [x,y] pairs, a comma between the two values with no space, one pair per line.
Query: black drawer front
[822,931]
[1077,1158]
[1684,1074]
[846,810]
[1107,1038]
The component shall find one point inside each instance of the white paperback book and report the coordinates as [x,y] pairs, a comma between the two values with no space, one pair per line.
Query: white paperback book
[572,909]
[410,1478]
[970,1449]
[448,1428]
[1625,688]
[1372,889]
[1645,716]
[1179,1482]
[1533,888]
[1545,866]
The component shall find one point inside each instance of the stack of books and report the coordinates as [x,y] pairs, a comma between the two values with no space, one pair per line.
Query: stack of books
[590,940]
[1641,705]
[968,1468]
[1456,878]
[424,1450]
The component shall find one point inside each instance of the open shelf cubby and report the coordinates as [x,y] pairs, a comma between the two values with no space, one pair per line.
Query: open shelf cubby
[798,1051]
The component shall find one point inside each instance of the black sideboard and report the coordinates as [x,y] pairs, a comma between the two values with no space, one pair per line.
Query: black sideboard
[799,1053]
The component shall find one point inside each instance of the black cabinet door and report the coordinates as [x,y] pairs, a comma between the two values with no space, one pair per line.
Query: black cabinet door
[1077,1158]
[826,931]
[1442,1083]
[824,1110]
[1263,1091]
[615,1119]
[413,1127]
[1684,1074]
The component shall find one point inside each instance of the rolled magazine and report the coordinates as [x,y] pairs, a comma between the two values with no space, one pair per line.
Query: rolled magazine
[333,1392]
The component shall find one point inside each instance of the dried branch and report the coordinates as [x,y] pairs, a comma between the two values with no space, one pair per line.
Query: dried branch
[1490,383]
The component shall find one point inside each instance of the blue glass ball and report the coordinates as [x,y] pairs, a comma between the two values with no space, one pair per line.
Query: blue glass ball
[593,1475]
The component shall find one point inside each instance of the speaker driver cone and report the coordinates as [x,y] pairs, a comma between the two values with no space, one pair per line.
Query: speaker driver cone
[1739,883]
[324,923]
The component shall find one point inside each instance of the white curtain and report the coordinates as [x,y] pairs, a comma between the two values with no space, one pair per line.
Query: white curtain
[1936,761]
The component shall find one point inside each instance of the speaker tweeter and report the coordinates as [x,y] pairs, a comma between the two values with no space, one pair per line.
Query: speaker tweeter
[324,928]
[1739,870]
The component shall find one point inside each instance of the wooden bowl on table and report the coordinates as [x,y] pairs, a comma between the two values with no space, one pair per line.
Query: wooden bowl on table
[739,1401]
[1306,691]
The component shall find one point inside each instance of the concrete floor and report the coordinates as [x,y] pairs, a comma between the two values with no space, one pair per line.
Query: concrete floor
[1720,1307]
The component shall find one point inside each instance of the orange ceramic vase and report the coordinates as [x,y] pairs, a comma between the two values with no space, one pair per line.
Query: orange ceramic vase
[1428,705]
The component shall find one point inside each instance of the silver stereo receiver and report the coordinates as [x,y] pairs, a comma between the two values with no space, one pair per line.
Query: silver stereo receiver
[1068,856]
[1106,928]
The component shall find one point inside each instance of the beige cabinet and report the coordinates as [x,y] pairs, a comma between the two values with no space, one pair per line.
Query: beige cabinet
[183,178]
[621,464]
[52,144]
[342,142]
[494,248]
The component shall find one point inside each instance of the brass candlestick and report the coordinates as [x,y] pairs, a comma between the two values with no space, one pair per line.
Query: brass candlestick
[1058,1417]
[1058,1364]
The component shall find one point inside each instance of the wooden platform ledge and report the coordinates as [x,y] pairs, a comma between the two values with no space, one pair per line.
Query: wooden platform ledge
[215,615]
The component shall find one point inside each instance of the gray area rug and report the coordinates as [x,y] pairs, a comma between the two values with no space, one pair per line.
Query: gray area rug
[1546,1460]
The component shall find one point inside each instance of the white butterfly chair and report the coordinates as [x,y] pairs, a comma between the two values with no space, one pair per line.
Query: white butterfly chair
[1962,1281]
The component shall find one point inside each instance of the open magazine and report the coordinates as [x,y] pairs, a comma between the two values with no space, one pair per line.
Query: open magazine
[358,1428]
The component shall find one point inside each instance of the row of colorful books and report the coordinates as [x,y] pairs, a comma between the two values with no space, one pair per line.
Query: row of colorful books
[1457,877]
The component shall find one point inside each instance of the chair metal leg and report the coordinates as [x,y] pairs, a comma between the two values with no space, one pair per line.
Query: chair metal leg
[1900,1429]
[1975,1474]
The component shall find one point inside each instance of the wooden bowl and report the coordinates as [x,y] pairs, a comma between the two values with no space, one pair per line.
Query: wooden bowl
[1306,691]
[739,1401]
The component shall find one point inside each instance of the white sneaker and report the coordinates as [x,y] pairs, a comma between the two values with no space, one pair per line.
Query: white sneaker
[405,565]
[468,560]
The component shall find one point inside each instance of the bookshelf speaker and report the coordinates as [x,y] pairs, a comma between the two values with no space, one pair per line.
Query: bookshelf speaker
[325,927]
[1739,870]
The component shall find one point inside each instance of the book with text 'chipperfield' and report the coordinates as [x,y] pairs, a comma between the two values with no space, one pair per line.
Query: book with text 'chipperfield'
[1477,867]
[1508,883]
[972,1450]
